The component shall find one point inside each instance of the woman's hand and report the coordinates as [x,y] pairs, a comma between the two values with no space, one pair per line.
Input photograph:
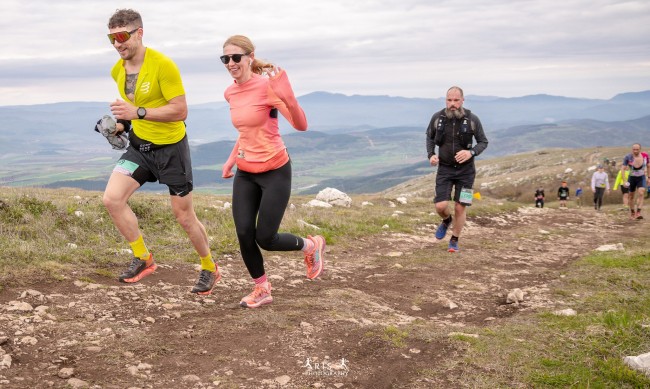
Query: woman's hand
[226,171]
[272,71]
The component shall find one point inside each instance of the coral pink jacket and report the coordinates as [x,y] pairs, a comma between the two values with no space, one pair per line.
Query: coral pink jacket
[259,147]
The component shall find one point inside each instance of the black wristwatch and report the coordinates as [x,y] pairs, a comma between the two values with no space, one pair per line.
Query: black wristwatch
[142,113]
[471,151]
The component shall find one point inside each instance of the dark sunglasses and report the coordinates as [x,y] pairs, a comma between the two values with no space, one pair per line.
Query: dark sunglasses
[235,57]
[121,36]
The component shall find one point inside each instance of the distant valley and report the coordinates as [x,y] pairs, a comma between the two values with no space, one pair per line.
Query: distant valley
[358,143]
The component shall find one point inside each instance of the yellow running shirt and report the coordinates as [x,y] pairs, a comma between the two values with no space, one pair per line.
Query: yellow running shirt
[159,81]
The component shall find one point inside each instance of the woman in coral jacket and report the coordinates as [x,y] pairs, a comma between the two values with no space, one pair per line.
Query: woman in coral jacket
[262,184]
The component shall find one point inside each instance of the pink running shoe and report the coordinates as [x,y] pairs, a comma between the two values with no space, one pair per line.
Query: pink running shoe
[259,296]
[315,259]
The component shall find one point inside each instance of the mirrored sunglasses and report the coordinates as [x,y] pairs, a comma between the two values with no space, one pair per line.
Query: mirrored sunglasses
[235,57]
[121,36]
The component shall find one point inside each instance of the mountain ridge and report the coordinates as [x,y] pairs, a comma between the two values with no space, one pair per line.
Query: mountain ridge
[327,111]
[54,145]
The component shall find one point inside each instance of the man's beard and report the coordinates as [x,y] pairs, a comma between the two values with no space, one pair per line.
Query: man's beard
[458,114]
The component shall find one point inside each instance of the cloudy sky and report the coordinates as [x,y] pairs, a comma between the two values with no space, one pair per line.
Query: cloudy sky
[56,51]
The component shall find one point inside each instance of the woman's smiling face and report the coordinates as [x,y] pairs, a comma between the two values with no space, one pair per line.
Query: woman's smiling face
[240,71]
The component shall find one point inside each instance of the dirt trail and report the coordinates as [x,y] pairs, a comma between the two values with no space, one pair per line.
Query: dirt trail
[348,329]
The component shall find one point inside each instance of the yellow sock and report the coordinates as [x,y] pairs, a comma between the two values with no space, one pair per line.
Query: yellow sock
[140,249]
[208,264]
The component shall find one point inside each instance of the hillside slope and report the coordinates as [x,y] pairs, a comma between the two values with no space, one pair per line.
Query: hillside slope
[392,309]
[516,177]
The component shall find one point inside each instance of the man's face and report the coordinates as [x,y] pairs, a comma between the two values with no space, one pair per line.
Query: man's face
[636,150]
[128,48]
[454,100]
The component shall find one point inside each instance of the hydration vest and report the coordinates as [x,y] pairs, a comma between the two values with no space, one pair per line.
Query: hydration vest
[466,133]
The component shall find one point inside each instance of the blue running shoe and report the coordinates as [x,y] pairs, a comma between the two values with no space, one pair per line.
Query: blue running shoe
[442,230]
[453,246]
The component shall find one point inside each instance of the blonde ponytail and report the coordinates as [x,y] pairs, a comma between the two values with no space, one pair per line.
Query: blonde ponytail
[258,66]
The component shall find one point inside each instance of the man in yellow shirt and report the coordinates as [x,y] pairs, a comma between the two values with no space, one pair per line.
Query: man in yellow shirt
[153,98]
[620,180]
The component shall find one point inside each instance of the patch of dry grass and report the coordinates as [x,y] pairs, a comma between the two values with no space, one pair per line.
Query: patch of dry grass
[611,294]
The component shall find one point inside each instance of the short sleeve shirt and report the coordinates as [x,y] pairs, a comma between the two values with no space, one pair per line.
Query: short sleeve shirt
[158,82]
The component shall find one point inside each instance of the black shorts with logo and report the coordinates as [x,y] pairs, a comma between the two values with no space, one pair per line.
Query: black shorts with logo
[636,182]
[453,177]
[170,165]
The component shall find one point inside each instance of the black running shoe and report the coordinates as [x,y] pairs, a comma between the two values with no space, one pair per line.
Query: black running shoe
[206,282]
[138,269]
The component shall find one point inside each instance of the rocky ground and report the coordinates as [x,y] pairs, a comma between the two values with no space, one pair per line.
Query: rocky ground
[353,328]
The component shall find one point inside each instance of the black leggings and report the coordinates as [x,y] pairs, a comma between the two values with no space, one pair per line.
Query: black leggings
[598,197]
[258,204]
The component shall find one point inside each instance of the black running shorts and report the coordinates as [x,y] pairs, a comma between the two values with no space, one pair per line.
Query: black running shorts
[453,177]
[636,182]
[170,165]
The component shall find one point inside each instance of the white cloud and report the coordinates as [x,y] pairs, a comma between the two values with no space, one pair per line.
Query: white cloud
[417,48]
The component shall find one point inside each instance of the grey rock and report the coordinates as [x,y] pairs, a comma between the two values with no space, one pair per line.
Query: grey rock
[191,378]
[515,296]
[639,362]
[5,361]
[76,383]
[19,306]
[66,372]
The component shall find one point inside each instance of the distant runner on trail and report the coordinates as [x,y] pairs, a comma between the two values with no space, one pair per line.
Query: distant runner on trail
[621,179]
[539,197]
[153,99]
[637,166]
[646,158]
[599,184]
[563,194]
[453,130]
[579,196]
[262,184]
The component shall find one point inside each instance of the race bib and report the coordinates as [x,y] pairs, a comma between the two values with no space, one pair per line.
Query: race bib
[466,196]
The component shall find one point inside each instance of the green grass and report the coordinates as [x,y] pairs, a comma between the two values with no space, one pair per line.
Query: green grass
[395,336]
[583,351]
[38,224]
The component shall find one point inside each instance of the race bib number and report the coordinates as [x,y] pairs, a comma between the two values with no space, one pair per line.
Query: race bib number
[466,196]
